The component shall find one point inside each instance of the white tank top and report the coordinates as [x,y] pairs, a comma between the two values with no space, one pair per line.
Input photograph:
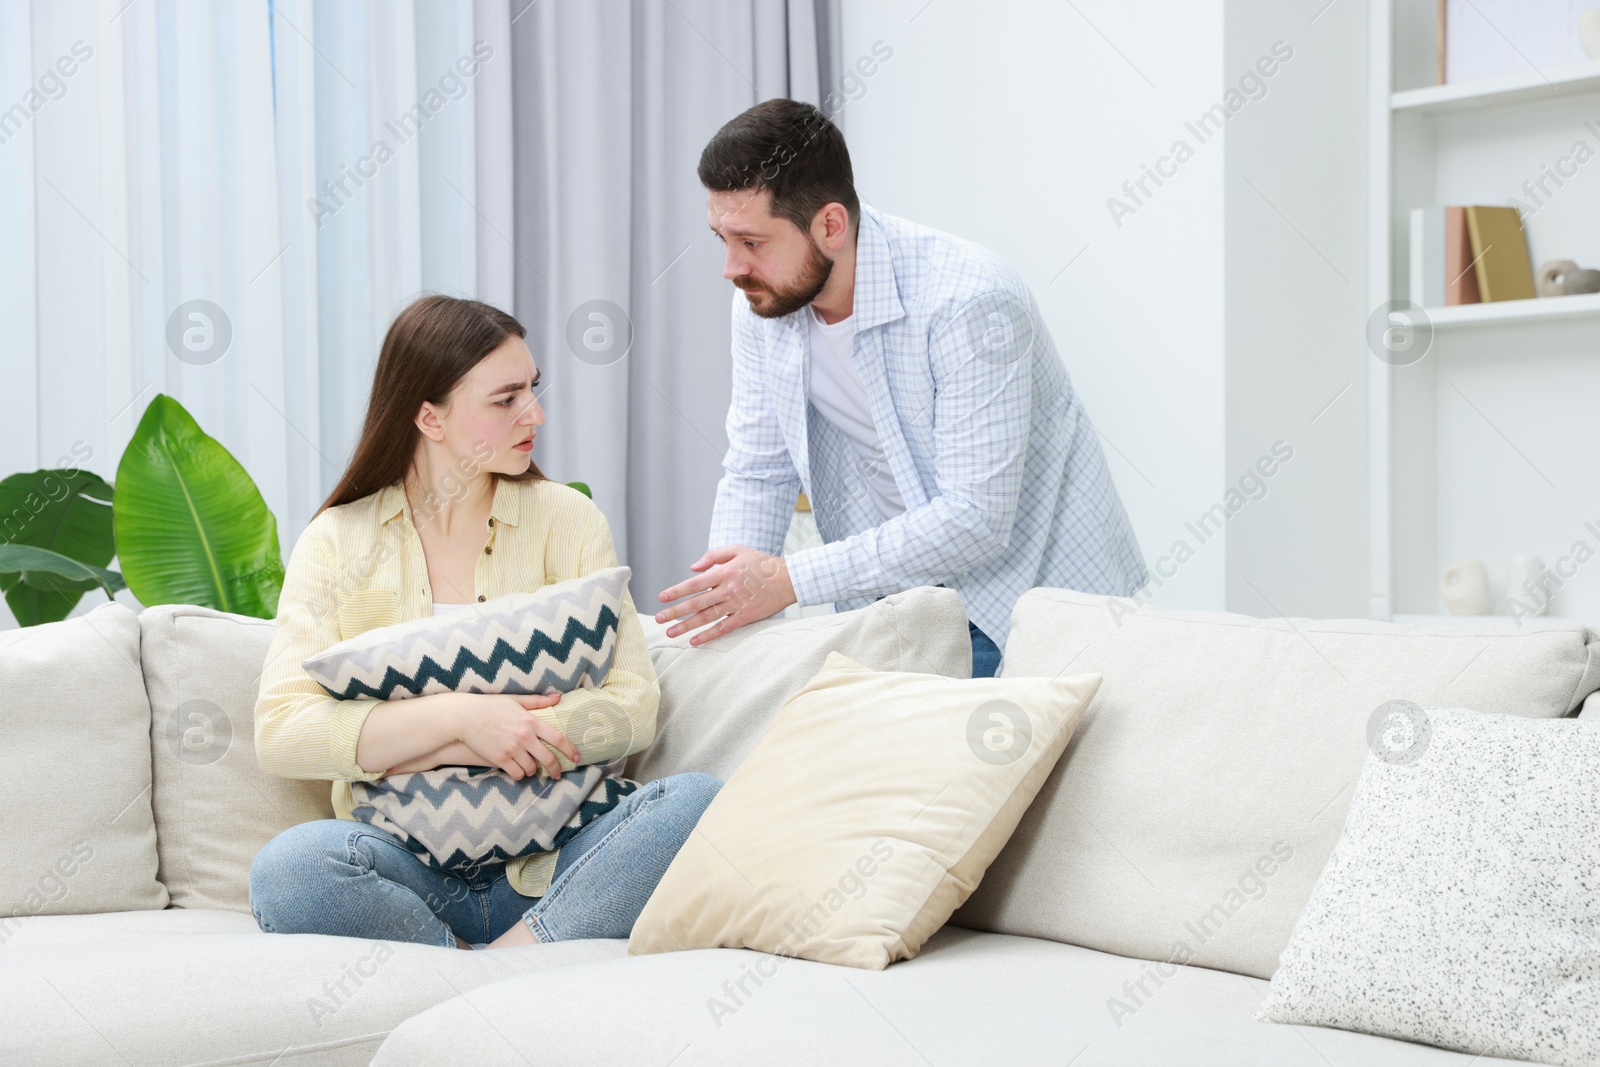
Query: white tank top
[840,397]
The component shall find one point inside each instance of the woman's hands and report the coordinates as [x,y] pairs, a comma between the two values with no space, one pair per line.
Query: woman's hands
[501,729]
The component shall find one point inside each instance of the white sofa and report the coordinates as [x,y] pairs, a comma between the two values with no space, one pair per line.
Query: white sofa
[136,805]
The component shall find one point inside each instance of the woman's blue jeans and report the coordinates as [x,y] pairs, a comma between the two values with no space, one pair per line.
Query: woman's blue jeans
[344,877]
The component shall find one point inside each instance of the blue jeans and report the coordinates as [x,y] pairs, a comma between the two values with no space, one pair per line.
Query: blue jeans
[349,879]
[985,653]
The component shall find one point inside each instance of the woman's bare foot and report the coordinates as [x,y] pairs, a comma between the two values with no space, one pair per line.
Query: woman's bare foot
[462,944]
[519,934]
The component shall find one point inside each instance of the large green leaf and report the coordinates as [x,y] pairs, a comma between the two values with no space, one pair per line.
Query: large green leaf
[50,569]
[191,527]
[67,515]
[44,586]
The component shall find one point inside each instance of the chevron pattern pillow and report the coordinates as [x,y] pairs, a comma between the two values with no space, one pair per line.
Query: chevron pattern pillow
[459,818]
[554,640]
[560,638]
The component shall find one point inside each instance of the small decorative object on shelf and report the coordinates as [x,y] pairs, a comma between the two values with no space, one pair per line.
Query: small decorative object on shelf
[1589,33]
[1526,593]
[1465,587]
[1563,277]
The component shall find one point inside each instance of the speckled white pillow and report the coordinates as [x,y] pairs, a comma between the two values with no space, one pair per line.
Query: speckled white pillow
[1461,907]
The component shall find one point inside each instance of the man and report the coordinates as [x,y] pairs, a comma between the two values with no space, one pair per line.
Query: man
[904,379]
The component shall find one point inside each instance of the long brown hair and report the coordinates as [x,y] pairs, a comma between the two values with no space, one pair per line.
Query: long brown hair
[430,347]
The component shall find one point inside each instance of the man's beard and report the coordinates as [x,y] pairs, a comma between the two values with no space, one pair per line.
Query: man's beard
[791,299]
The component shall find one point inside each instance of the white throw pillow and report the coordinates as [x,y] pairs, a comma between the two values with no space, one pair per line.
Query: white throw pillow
[215,807]
[79,835]
[867,812]
[1461,906]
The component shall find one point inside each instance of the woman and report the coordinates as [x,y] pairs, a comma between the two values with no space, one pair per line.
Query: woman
[443,506]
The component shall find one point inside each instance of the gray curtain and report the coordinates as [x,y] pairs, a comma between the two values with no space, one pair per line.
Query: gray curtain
[591,217]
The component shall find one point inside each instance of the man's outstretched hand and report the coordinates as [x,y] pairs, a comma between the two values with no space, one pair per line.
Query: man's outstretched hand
[733,584]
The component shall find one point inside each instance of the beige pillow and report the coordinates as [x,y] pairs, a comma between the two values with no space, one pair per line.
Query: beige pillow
[214,805]
[78,835]
[864,816]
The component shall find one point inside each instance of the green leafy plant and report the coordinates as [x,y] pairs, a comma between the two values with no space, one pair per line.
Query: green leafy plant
[185,520]
[55,540]
[191,526]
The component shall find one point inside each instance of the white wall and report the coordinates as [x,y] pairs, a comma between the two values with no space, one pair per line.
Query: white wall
[1295,261]
[1011,123]
[1184,327]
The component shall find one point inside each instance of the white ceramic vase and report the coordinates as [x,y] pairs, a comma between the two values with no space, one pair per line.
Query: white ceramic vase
[1465,587]
[1524,594]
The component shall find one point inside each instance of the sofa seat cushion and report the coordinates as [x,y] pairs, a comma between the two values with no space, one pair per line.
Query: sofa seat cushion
[1204,791]
[61,929]
[236,995]
[968,998]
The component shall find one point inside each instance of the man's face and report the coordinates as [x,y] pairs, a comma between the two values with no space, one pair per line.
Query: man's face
[779,267]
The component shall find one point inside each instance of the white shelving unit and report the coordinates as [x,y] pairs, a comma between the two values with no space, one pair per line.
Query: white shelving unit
[1489,444]
[1568,307]
[1491,92]
[1495,620]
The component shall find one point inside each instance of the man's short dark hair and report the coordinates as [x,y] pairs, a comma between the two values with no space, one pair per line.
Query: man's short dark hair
[788,147]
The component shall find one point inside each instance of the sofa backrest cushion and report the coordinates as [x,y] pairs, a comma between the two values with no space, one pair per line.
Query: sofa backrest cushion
[214,805]
[1204,792]
[77,832]
[717,698]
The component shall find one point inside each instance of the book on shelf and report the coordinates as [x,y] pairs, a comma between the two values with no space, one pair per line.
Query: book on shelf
[1441,18]
[1442,269]
[1500,253]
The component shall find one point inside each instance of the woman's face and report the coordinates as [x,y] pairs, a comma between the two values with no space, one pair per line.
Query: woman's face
[493,414]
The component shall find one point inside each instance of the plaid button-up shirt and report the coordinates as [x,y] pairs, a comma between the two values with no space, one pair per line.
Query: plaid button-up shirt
[1002,475]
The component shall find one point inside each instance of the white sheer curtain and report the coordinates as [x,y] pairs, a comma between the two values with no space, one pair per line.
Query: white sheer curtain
[393,185]
[141,181]
[309,167]
[613,102]
[184,159]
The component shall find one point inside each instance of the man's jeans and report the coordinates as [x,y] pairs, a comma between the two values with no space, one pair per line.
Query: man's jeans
[985,654]
[349,879]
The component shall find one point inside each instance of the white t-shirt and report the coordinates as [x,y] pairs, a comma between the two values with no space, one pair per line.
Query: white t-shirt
[841,397]
[445,609]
